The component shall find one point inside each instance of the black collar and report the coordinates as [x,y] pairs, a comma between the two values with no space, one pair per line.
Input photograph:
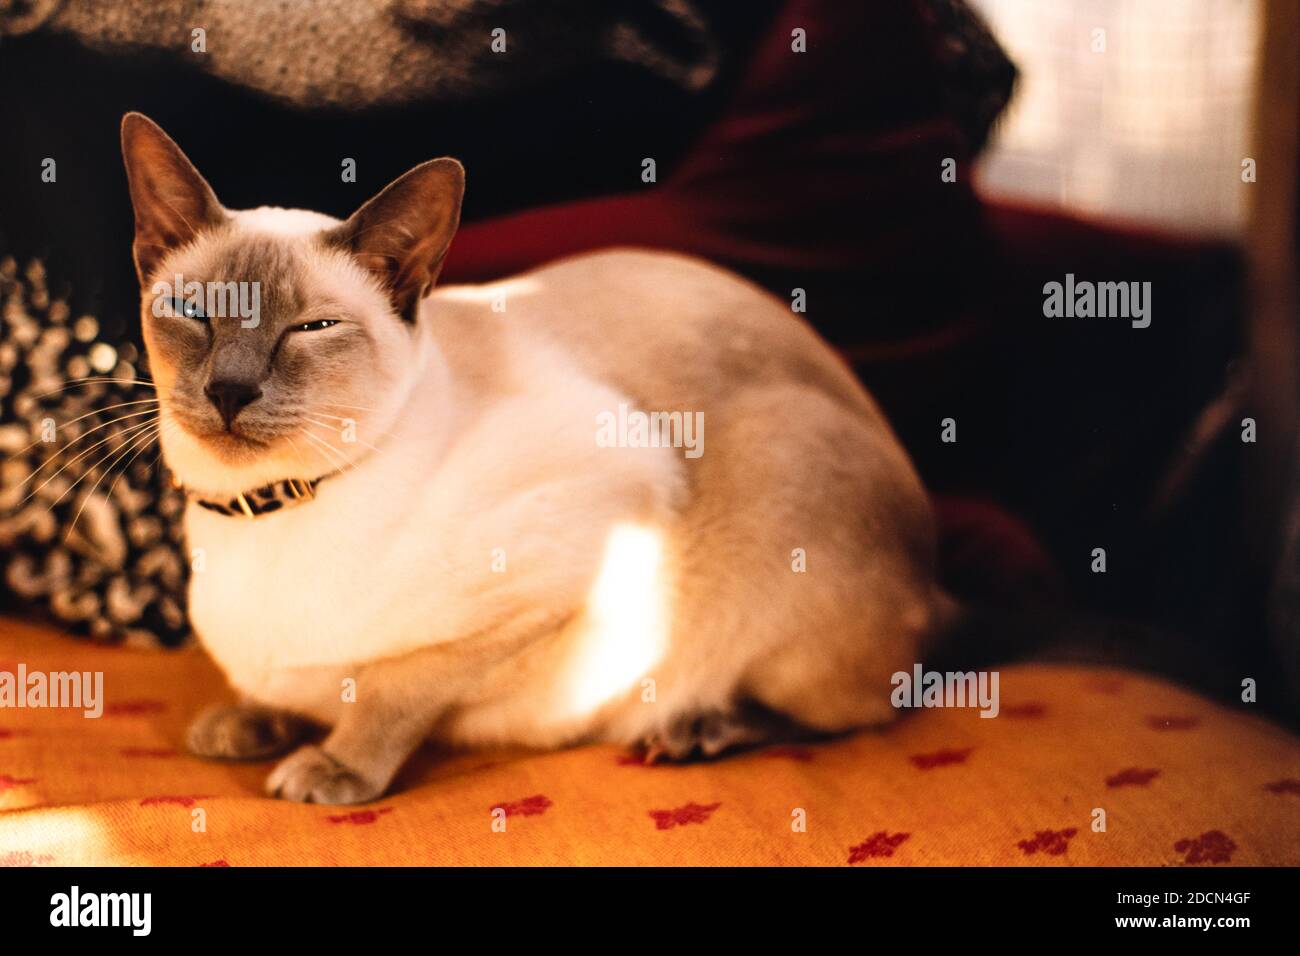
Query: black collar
[264,500]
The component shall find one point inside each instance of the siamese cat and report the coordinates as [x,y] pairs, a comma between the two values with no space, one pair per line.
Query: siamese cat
[417,523]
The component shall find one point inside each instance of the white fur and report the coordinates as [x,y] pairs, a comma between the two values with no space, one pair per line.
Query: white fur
[397,552]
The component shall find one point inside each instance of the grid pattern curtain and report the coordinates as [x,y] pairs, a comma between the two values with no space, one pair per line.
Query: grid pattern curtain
[1130,109]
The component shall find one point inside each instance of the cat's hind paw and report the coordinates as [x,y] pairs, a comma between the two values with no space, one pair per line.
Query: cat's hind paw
[310,775]
[713,733]
[243,732]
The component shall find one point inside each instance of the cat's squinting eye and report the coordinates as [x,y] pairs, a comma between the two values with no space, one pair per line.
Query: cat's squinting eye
[314,326]
[190,310]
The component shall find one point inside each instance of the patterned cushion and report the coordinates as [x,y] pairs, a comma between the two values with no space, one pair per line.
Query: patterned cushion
[90,530]
[1182,781]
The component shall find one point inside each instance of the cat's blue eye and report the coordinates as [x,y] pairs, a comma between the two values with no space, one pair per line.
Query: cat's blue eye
[189,309]
[314,326]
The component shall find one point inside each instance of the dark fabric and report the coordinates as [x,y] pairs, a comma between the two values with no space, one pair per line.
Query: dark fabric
[1284,599]
[824,173]
[359,54]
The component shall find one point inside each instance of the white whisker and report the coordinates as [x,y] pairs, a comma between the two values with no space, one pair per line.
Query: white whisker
[124,432]
[325,446]
[97,411]
[82,477]
[142,440]
[75,382]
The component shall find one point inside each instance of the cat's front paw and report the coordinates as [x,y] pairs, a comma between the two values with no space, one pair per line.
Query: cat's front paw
[310,775]
[244,732]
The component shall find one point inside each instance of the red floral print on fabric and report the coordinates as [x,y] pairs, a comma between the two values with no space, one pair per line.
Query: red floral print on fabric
[1132,777]
[680,816]
[8,783]
[359,817]
[878,844]
[636,760]
[1285,785]
[175,801]
[1156,722]
[1051,842]
[1110,686]
[1212,846]
[1028,710]
[134,708]
[940,758]
[527,807]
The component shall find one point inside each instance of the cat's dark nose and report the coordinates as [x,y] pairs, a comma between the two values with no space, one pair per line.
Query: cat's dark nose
[230,397]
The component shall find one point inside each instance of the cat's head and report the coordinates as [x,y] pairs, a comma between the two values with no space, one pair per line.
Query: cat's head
[279,339]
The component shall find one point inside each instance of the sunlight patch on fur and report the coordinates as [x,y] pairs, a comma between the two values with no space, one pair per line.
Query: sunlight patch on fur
[627,620]
[502,291]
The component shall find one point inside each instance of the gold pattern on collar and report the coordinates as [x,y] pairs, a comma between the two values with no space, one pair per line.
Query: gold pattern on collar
[261,501]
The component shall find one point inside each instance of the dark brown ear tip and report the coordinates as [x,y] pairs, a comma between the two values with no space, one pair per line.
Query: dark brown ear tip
[133,120]
[128,126]
[136,124]
[448,168]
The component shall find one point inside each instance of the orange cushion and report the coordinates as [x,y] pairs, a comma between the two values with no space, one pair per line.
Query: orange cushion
[1181,780]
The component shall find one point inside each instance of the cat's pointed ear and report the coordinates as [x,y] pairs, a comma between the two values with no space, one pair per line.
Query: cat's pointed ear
[402,235]
[172,202]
